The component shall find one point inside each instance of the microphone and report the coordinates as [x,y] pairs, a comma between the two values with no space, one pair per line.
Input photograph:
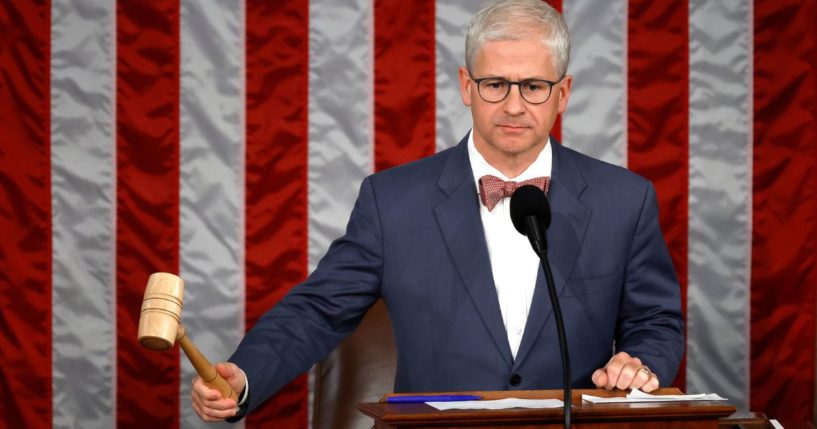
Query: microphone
[530,214]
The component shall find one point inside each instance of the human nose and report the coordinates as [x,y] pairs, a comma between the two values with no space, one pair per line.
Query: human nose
[514,104]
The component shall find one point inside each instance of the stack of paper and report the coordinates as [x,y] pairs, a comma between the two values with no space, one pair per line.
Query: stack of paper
[638,396]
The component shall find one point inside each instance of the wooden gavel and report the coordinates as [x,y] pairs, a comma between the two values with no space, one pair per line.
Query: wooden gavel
[160,325]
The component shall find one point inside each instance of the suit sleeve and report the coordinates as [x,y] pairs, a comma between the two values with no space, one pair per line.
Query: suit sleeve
[650,323]
[309,322]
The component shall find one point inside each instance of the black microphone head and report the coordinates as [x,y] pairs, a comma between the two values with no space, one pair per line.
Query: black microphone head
[527,201]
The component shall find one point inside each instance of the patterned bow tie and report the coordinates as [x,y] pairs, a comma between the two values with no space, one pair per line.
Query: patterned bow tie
[492,189]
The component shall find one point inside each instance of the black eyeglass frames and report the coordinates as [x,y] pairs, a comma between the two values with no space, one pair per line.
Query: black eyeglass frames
[496,89]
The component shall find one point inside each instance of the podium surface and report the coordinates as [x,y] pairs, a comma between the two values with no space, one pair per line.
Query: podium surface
[695,414]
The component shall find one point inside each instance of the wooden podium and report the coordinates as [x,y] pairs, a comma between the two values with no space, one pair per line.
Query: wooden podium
[697,414]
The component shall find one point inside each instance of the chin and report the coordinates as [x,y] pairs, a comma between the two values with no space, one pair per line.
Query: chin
[513,146]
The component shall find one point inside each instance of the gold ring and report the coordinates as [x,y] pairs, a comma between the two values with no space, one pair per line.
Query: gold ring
[646,369]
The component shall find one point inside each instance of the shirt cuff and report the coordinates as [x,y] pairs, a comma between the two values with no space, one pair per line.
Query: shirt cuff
[243,401]
[246,392]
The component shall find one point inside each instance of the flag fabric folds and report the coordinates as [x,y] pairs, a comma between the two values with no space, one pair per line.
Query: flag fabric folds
[225,141]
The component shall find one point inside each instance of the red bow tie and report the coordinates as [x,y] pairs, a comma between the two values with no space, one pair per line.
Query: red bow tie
[492,189]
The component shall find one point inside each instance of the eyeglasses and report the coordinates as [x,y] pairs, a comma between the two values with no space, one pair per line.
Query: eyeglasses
[496,89]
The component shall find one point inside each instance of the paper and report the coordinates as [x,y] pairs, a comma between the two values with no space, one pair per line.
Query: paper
[498,404]
[638,396]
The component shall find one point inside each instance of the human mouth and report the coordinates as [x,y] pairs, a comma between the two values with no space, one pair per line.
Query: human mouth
[512,127]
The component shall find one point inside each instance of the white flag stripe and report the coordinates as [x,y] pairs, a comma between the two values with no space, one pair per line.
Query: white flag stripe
[83,178]
[211,192]
[451,23]
[340,115]
[595,122]
[720,198]
[340,121]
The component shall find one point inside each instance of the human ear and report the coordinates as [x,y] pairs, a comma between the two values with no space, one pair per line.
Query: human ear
[465,86]
[564,92]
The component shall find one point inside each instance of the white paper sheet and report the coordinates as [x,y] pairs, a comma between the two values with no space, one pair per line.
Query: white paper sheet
[638,396]
[498,404]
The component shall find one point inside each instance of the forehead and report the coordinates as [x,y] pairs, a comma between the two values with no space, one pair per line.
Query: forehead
[515,59]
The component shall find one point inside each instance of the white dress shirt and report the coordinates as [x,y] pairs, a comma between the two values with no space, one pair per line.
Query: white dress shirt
[514,264]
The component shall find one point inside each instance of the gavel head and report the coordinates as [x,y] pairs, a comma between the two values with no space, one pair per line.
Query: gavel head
[160,318]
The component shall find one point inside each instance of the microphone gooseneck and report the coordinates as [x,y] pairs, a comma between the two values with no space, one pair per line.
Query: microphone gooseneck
[530,214]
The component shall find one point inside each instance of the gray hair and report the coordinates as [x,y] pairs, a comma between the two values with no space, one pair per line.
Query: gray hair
[516,20]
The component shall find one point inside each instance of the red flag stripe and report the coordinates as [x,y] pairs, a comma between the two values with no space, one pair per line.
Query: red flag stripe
[277,56]
[784,241]
[25,215]
[147,228]
[404,82]
[557,4]
[658,117]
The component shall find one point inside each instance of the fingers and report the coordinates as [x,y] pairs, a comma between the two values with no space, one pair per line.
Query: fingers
[651,384]
[625,372]
[600,378]
[617,370]
[208,403]
[640,377]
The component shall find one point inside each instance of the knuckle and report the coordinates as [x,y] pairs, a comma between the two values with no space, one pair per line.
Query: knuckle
[625,379]
[611,383]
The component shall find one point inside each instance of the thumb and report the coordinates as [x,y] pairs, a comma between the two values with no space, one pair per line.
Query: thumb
[599,378]
[227,370]
[232,374]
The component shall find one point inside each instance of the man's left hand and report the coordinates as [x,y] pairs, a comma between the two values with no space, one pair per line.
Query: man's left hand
[625,372]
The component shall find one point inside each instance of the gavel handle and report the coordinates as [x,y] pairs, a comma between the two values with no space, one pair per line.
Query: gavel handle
[204,368]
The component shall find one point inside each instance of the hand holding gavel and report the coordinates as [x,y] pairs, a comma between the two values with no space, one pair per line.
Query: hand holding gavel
[208,402]
[160,327]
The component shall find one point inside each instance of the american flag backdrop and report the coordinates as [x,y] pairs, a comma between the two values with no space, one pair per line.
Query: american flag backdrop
[225,140]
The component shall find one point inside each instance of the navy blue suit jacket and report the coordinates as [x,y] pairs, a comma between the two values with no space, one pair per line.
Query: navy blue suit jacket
[415,238]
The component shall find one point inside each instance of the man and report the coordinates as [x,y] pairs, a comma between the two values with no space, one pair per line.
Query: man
[465,293]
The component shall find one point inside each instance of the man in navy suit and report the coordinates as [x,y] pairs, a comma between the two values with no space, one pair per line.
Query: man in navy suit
[465,292]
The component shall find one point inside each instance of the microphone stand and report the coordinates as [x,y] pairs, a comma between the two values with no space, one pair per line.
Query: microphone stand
[560,328]
[542,252]
[530,214]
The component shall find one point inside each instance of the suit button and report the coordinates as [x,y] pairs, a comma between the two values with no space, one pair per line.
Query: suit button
[515,380]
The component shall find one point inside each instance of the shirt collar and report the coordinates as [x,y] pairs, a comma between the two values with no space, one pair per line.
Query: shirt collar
[542,166]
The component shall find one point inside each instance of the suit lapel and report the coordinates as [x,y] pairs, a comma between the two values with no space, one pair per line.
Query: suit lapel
[461,227]
[565,236]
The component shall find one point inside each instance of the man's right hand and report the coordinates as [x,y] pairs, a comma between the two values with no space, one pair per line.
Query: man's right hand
[625,372]
[208,403]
